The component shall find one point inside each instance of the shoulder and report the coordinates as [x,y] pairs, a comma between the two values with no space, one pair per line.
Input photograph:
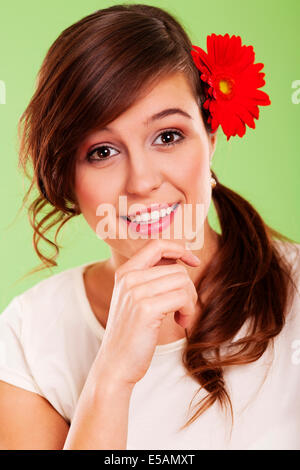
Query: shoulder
[290,252]
[42,303]
[52,291]
[46,345]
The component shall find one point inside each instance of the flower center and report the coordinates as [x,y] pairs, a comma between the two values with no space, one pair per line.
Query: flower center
[225,87]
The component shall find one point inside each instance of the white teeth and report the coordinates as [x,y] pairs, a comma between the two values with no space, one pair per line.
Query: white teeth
[153,216]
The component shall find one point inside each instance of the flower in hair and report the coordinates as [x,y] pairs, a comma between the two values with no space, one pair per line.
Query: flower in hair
[232,78]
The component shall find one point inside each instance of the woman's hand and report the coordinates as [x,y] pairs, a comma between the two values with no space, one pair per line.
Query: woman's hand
[143,295]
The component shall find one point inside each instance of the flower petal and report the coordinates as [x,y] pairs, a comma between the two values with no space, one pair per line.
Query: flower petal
[228,60]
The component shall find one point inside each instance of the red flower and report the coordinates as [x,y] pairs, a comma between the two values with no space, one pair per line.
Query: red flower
[233,78]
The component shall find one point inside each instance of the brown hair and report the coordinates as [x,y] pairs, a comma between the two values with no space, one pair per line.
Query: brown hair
[94,71]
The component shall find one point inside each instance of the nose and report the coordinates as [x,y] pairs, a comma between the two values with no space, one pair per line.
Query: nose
[143,176]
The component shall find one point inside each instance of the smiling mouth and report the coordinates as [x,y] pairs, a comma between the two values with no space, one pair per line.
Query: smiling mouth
[147,218]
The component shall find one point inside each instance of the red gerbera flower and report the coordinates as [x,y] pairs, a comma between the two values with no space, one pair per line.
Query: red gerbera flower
[233,78]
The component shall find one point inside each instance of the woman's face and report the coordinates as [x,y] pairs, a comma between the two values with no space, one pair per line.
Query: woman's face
[131,158]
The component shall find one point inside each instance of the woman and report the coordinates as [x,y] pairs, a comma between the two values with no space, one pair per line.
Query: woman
[110,354]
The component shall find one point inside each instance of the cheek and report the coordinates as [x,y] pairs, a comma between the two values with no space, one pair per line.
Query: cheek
[86,189]
[195,177]
[92,189]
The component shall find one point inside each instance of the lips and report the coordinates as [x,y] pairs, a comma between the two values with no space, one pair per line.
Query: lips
[153,207]
[153,226]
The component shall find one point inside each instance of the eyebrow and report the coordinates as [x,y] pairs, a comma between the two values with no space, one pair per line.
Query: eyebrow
[160,115]
[166,112]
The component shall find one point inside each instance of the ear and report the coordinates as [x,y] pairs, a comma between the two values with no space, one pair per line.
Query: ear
[212,140]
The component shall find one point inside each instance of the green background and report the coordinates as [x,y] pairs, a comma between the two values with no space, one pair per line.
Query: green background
[263,166]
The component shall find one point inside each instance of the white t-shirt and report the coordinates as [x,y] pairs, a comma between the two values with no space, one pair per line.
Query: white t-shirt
[49,337]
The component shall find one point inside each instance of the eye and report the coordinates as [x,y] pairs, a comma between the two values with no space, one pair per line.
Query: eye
[104,152]
[101,150]
[170,141]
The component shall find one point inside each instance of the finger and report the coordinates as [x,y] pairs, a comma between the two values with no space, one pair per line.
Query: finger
[151,254]
[158,306]
[141,276]
[172,281]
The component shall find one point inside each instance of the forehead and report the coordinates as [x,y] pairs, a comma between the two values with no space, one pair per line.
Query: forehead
[174,88]
[169,95]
